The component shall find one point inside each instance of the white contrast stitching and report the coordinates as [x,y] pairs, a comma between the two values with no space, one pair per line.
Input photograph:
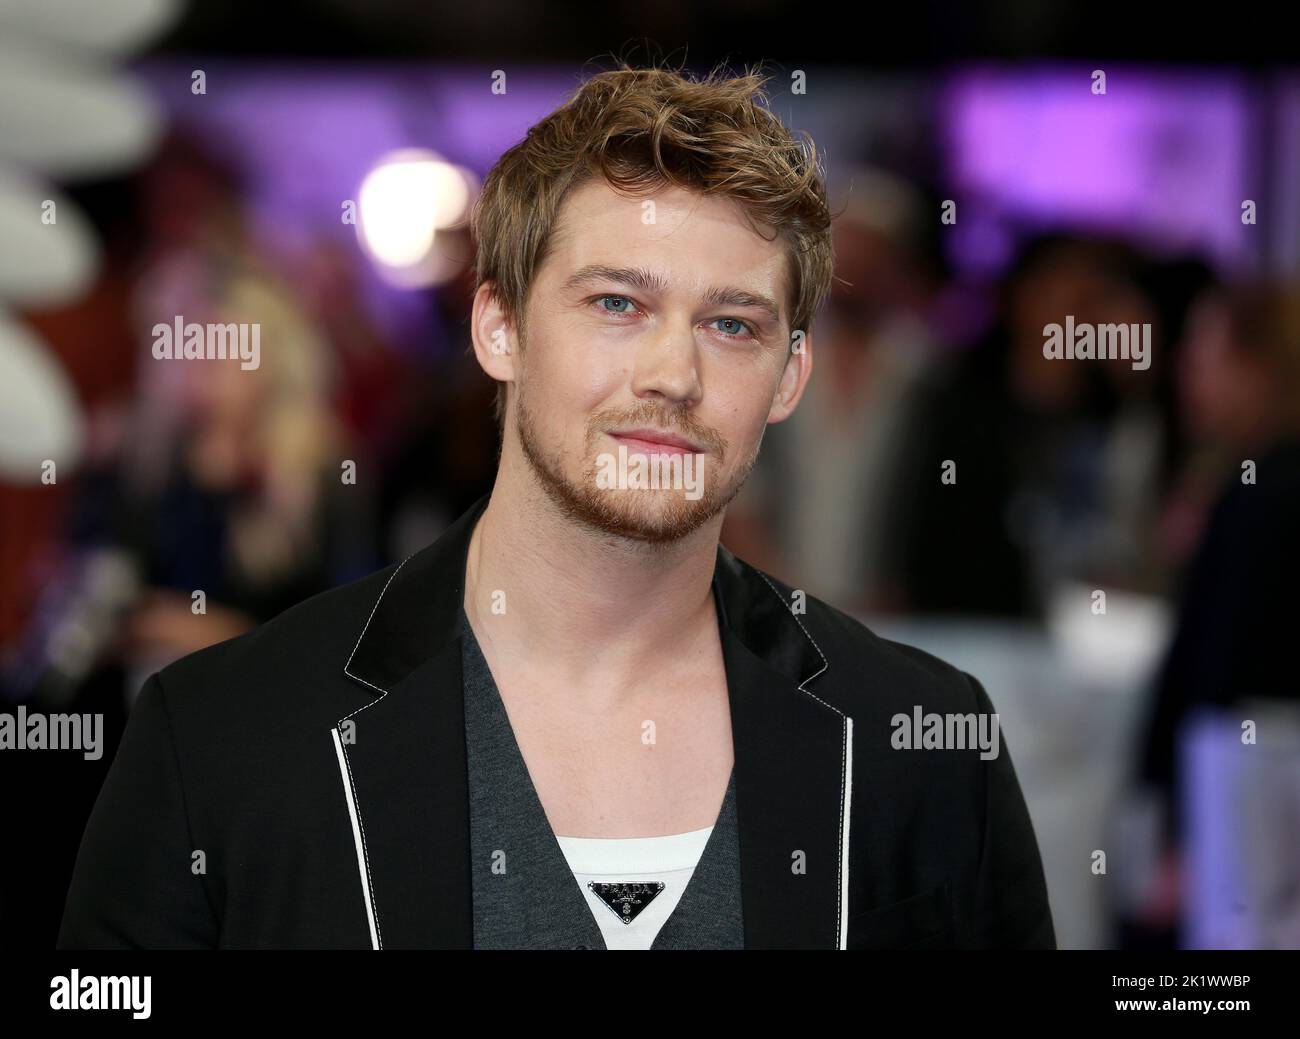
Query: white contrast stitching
[374,609]
[379,927]
[349,792]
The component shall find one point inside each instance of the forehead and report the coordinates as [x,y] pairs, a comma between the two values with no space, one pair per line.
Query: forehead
[691,240]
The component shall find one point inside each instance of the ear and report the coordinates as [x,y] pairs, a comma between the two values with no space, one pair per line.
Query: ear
[794,377]
[495,343]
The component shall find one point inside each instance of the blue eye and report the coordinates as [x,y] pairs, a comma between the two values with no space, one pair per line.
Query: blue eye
[622,299]
[735,322]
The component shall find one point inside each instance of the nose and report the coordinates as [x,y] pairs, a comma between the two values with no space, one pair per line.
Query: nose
[667,366]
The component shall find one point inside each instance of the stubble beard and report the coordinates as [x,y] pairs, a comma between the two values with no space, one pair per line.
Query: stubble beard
[653,517]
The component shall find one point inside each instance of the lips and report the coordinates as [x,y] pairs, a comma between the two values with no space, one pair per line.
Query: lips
[653,440]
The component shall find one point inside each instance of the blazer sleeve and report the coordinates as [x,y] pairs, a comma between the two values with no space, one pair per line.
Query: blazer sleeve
[1011,908]
[132,886]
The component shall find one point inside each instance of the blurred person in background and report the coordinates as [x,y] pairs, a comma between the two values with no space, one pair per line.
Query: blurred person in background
[1147,442]
[1112,535]
[1029,437]
[211,477]
[447,456]
[1239,378]
[369,373]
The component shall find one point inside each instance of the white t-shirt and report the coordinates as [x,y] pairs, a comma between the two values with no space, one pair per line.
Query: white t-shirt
[621,879]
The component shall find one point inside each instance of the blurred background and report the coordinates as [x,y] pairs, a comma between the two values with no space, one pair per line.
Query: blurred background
[310,169]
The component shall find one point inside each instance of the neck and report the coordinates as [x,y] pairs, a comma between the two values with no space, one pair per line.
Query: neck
[586,608]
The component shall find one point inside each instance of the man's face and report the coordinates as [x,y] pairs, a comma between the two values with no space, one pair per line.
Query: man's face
[669,318]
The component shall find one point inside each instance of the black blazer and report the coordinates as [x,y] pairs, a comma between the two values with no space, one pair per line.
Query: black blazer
[304,785]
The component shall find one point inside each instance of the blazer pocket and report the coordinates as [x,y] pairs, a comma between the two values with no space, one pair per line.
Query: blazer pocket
[920,922]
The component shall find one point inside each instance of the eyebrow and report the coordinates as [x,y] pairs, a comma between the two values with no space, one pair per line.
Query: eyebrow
[648,281]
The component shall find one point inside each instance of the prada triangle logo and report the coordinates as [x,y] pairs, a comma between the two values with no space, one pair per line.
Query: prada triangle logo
[627,900]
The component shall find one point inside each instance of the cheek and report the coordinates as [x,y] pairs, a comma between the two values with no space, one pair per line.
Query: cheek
[742,402]
[566,379]
[598,381]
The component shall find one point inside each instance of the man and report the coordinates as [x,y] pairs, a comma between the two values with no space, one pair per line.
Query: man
[575,720]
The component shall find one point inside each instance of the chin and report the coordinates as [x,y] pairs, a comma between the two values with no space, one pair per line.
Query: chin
[652,516]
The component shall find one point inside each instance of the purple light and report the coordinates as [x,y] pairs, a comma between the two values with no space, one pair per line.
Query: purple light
[1160,157]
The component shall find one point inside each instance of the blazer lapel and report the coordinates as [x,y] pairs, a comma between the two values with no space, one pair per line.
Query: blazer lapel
[793,769]
[402,754]
[408,772]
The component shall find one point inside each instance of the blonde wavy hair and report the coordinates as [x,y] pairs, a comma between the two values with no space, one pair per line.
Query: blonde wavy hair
[642,129]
